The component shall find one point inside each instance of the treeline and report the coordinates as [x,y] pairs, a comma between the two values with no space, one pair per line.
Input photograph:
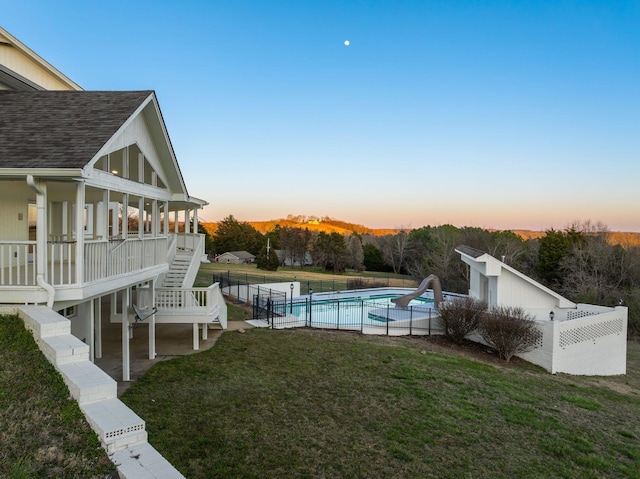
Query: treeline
[578,262]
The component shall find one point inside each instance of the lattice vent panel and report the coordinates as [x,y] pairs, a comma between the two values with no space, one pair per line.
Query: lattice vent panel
[590,332]
[575,314]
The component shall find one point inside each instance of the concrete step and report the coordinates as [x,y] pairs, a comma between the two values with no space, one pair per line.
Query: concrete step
[117,426]
[87,383]
[43,322]
[63,349]
[142,462]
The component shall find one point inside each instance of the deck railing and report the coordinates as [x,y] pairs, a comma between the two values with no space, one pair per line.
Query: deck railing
[102,259]
[17,263]
[196,302]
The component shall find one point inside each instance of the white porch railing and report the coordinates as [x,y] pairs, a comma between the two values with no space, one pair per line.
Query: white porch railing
[191,241]
[201,305]
[17,263]
[102,259]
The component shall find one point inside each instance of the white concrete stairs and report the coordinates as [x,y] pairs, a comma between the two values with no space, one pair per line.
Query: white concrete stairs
[174,278]
[120,430]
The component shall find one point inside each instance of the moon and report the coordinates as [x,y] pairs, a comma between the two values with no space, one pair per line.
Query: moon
[346,43]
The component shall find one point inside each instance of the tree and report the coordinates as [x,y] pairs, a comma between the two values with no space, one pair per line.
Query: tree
[553,247]
[432,251]
[394,249]
[373,259]
[232,235]
[356,254]
[295,244]
[208,239]
[268,261]
[330,251]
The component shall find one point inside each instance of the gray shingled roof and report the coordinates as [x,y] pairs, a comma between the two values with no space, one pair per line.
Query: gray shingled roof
[60,129]
[469,251]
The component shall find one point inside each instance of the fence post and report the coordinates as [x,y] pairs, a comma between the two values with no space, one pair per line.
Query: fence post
[338,317]
[430,321]
[387,320]
[410,320]
[361,317]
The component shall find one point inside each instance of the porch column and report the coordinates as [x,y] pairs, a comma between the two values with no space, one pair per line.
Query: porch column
[80,194]
[152,320]
[195,220]
[125,216]
[92,332]
[205,331]
[196,336]
[166,218]
[175,221]
[186,222]
[141,218]
[97,306]
[155,213]
[103,218]
[126,370]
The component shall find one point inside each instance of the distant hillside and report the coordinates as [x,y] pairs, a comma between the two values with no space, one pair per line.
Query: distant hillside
[615,237]
[326,225]
[330,225]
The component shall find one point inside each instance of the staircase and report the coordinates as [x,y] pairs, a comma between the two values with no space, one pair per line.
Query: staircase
[121,431]
[175,277]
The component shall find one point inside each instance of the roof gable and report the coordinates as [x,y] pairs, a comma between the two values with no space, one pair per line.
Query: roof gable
[23,69]
[494,267]
[61,129]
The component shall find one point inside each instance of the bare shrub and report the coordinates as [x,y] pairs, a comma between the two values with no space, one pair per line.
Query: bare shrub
[509,330]
[461,316]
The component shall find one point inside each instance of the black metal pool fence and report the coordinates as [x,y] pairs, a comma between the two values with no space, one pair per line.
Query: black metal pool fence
[237,280]
[349,314]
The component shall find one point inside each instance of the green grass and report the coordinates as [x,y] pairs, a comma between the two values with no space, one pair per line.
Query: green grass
[43,433]
[326,404]
[315,278]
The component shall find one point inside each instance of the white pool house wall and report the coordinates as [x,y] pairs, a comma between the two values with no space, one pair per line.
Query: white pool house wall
[581,339]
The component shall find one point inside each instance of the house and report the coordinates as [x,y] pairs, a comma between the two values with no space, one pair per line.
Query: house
[582,339]
[236,257]
[95,223]
[287,260]
[93,206]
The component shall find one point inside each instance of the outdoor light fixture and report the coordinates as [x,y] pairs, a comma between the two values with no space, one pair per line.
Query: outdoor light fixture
[552,315]
[291,302]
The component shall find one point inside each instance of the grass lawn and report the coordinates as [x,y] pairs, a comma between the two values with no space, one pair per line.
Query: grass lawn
[314,277]
[43,433]
[308,404]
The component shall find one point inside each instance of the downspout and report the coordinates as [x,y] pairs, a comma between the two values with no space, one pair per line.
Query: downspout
[41,243]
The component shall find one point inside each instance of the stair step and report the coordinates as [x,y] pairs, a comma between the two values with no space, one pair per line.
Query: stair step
[43,322]
[142,462]
[117,426]
[63,349]
[88,383]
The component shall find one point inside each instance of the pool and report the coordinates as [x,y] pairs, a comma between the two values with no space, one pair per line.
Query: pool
[368,311]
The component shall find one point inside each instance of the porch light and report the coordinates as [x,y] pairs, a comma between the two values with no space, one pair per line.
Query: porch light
[552,315]
[115,172]
[291,300]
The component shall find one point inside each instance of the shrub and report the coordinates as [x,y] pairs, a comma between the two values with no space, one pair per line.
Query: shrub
[509,330]
[460,316]
[362,283]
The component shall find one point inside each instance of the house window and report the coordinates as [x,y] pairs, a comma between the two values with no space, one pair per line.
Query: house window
[70,312]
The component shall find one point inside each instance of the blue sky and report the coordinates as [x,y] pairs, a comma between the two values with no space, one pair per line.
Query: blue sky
[521,114]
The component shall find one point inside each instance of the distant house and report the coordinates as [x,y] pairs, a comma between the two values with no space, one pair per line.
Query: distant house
[285,260]
[236,257]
